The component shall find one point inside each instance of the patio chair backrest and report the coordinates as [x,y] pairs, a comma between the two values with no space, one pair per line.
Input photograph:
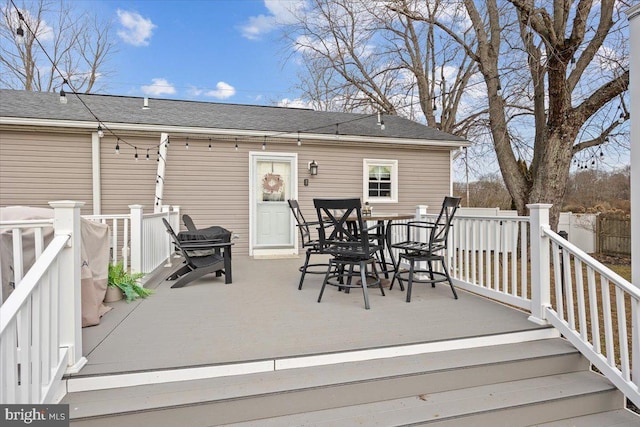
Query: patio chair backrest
[341,227]
[303,225]
[440,232]
[188,222]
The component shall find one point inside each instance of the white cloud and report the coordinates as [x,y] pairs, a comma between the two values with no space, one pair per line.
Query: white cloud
[223,91]
[294,103]
[280,13]
[159,87]
[137,30]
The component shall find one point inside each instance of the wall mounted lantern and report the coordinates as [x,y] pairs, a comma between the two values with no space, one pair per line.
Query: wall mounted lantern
[313,168]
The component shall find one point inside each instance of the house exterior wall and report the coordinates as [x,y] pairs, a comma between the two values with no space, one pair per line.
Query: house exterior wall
[211,186]
[214,188]
[36,168]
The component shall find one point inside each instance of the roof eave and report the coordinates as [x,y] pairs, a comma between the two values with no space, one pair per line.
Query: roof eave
[137,127]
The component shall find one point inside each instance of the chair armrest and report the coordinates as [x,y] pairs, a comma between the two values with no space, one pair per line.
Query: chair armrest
[204,244]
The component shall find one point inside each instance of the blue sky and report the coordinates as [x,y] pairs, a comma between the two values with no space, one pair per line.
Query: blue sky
[215,50]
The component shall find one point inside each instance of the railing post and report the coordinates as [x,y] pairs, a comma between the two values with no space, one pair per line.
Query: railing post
[174,219]
[66,221]
[540,263]
[136,238]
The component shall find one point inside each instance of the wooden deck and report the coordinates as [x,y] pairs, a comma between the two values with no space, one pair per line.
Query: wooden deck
[262,316]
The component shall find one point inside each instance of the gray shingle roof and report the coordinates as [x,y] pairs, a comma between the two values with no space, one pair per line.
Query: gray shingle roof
[209,115]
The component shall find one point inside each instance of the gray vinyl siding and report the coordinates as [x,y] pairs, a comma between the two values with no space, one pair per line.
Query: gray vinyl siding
[38,167]
[211,186]
[125,181]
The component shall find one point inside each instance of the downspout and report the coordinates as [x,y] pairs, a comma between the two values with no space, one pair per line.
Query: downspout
[96,173]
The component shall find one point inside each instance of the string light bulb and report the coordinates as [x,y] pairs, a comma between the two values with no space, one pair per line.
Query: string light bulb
[19,30]
[210,147]
[63,96]
[236,144]
[135,156]
[264,144]
[621,119]
[299,142]
[186,145]
[118,146]
[148,154]
[382,127]
[100,132]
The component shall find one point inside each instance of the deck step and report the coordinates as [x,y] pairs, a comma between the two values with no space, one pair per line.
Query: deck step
[618,418]
[516,403]
[354,386]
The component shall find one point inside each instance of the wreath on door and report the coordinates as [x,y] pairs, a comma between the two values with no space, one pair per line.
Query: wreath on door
[272,183]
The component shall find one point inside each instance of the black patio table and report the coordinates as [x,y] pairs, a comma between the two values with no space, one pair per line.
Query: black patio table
[383,235]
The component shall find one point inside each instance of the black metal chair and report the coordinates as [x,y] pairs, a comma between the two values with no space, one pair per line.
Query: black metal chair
[311,245]
[426,242]
[188,222]
[342,235]
[201,257]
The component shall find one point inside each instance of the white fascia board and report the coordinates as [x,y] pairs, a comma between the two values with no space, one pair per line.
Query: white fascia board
[136,127]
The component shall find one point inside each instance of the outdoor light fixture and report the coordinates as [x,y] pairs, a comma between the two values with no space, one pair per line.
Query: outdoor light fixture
[313,168]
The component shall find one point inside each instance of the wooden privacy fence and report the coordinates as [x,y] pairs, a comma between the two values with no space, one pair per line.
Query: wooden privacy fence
[613,235]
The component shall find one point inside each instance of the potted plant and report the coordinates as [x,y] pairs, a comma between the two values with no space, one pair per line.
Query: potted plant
[126,283]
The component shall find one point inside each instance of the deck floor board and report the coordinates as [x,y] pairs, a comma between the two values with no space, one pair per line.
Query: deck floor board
[262,315]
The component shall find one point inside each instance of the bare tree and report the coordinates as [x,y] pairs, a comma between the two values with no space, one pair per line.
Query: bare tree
[362,55]
[554,75]
[577,69]
[59,44]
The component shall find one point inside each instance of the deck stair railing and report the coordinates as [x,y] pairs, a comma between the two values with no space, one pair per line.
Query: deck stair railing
[597,311]
[520,261]
[40,322]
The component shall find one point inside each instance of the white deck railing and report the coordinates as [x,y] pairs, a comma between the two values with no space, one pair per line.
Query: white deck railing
[521,262]
[490,257]
[16,265]
[597,311]
[140,240]
[40,322]
[119,240]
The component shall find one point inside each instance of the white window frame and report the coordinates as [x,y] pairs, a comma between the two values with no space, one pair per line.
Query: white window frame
[394,180]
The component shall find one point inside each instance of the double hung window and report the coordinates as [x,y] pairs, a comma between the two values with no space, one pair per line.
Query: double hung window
[380,180]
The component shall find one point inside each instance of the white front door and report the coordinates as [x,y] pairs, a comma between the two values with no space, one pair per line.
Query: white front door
[272,182]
